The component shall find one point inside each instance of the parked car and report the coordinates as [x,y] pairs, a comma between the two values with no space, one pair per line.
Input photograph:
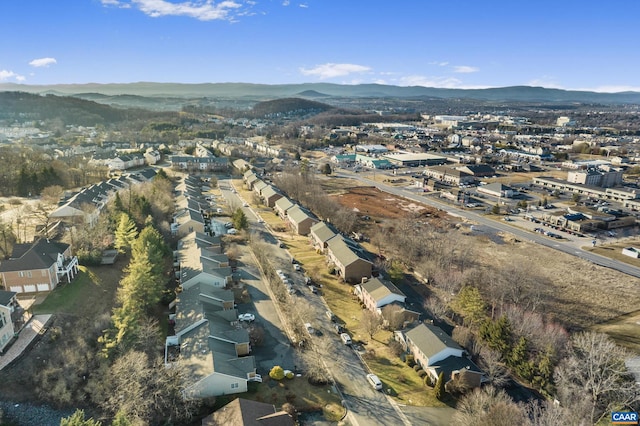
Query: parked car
[281,244]
[245,204]
[246,317]
[297,267]
[313,289]
[339,328]
[310,328]
[232,231]
[346,339]
[330,315]
[374,381]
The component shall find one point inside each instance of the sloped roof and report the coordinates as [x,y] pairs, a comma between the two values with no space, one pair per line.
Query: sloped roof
[345,253]
[6,296]
[39,255]
[298,214]
[244,412]
[324,231]
[270,191]
[431,339]
[379,289]
[284,204]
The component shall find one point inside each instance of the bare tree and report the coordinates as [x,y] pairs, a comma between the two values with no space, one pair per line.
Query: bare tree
[491,363]
[595,378]
[371,322]
[394,316]
[489,406]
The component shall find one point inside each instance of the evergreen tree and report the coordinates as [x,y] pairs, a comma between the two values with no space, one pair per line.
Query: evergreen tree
[239,219]
[438,390]
[326,169]
[77,419]
[125,233]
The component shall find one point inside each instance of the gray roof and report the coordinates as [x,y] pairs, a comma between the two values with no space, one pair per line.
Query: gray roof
[6,296]
[344,252]
[299,214]
[284,204]
[39,255]
[431,339]
[324,231]
[378,289]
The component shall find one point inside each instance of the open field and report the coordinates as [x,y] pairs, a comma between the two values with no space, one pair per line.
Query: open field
[574,292]
[614,251]
[625,330]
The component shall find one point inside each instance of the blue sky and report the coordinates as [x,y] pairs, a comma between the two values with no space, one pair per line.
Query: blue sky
[567,44]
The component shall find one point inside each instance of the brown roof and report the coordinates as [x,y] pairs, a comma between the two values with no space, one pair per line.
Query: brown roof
[244,412]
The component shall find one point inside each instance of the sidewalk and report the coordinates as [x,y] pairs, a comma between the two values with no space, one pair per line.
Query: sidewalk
[30,331]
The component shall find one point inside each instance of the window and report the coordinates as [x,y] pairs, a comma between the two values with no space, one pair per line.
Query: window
[21,274]
[2,320]
[29,274]
[234,385]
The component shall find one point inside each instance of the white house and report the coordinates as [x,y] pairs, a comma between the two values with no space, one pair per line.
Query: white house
[376,293]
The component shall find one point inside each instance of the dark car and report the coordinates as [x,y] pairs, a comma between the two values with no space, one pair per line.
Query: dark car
[339,328]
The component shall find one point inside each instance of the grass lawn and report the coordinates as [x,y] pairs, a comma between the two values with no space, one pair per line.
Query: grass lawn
[405,385]
[614,251]
[297,391]
[624,330]
[91,292]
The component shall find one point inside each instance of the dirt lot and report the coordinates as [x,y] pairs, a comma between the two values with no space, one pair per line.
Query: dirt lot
[579,294]
[370,201]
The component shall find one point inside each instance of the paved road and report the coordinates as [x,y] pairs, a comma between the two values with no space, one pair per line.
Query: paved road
[560,245]
[365,405]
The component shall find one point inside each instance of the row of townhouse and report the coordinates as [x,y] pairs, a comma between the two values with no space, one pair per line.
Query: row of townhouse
[209,340]
[351,261]
[86,205]
[203,164]
[192,207]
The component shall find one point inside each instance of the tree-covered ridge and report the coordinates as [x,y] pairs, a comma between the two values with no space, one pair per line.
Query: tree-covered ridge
[20,105]
[289,106]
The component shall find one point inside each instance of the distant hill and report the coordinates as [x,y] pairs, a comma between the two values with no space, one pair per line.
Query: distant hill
[289,106]
[70,109]
[265,92]
[312,94]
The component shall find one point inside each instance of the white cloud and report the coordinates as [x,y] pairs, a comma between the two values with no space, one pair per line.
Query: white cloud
[286,3]
[43,62]
[614,89]
[202,10]
[465,69]
[334,70]
[420,80]
[303,5]
[437,81]
[439,63]
[6,75]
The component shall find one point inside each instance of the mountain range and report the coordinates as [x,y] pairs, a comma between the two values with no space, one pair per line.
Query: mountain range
[318,90]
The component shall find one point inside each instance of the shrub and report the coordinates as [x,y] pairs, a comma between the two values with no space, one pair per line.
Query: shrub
[422,373]
[409,360]
[277,373]
[417,367]
[396,348]
[428,381]
[289,375]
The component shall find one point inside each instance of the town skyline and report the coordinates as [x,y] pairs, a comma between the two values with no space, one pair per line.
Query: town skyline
[567,46]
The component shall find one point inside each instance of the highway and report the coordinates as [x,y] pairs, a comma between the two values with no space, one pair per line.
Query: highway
[564,246]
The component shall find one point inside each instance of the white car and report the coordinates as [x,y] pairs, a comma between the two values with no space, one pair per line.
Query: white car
[245,204]
[232,231]
[246,317]
[297,267]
